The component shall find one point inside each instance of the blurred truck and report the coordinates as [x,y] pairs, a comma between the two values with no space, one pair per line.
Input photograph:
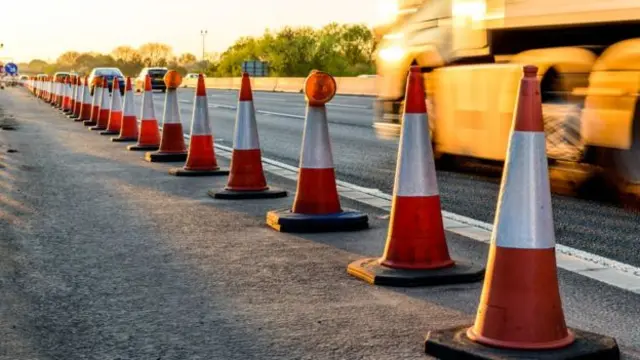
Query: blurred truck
[471,53]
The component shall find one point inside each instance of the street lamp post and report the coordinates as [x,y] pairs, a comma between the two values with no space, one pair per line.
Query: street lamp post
[203,33]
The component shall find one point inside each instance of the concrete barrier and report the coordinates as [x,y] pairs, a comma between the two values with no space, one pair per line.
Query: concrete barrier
[346,85]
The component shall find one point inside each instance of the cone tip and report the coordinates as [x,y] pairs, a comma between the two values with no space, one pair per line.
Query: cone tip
[201,89]
[147,83]
[530,70]
[245,88]
[415,100]
[128,84]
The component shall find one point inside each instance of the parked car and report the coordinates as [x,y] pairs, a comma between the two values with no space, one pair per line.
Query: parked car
[110,74]
[157,78]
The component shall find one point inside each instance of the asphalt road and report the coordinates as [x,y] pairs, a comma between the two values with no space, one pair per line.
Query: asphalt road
[106,256]
[360,158]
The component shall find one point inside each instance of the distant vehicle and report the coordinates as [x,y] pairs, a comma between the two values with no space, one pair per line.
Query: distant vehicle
[61,75]
[110,74]
[157,78]
[192,76]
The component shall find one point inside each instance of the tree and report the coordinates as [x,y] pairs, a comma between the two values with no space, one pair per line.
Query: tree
[155,54]
[37,65]
[67,58]
[187,59]
[126,54]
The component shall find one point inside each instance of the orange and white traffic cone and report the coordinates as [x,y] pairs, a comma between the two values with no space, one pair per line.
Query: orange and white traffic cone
[316,207]
[47,92]
[520,312]
[103,114]
[247,180]
[201,159]
[95,103]
[172,146]
[60,99]
[55,92]
[115,114]
[78,105]
[72,95]
[66,99]
[129,128]
[416,253]
[85,107]
[149,135]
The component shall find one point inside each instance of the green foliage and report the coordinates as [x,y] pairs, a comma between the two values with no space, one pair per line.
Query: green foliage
[340,49]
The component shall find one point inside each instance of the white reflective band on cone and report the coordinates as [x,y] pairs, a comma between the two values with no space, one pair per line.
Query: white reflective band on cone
[79,94]
[148,112]
[171,111]
[86,95]
[525,217]
[116,101]
[97,96]
[316,147]
[200,124]
[128,104]
[104,104]
[246,131]
[415,168]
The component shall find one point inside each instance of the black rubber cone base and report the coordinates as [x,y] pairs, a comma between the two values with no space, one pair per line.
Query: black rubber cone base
[97,128]
[123,139]
[137,147]
[72,116]
[80,119]
[165,157]
[193,173]
[107,132]
[454,344]
[90,123]
[286,221]
[270,193]
[371,271]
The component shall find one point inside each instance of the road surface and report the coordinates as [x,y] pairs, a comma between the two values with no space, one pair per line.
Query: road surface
[106,256]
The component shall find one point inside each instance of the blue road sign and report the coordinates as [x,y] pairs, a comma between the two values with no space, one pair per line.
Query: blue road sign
[11,68]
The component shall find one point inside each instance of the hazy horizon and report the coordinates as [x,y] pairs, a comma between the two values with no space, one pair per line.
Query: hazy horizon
[43,30]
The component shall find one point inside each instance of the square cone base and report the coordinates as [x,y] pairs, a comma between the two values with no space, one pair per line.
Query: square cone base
[286,221]
[165,157]
[71,116]
[143,147]
[123,139]
[90,123]
[97,128]
[80,119]
[109,132]
[193,173]
[269,193]
[371,271]
[454,344]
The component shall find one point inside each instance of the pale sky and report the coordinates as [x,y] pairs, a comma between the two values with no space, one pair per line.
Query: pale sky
[45,28]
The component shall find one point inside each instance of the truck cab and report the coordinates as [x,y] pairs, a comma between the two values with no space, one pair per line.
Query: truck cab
[471,53]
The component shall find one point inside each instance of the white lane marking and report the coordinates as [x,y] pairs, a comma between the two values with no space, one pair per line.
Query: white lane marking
[599,268]
[349,106]
[280,114]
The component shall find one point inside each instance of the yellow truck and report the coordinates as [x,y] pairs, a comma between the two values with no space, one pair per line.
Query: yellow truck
[471,53]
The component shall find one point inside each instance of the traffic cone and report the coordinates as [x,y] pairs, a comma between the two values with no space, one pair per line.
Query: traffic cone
[95,103]
[85,107]
[201,159]
[316,207]
[149,136]
[416,253]
[66,100]
[103,114]
[47,92]
[115,114]
[72,96]
[60,98]
[247,180]
[172,146]
[520,312]
[78,105]
[129,128]
[55,84]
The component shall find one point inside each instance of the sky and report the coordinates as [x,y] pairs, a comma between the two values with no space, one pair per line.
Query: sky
[44,29]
